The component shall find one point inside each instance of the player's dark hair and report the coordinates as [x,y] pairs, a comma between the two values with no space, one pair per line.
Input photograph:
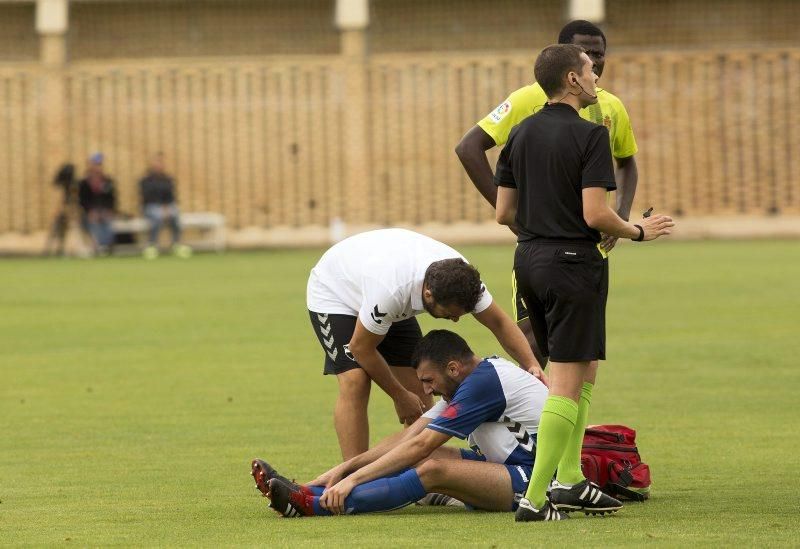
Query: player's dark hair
[440,347]
[454,282]
[579,26]
[554,63]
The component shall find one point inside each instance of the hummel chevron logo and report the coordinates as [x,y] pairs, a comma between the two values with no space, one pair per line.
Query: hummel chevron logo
[323,318]
[328,342]
[325,330]
[333,354]
[517,429]
[377,315]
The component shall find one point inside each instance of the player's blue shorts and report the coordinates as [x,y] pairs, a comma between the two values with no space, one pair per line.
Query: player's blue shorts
[520,474]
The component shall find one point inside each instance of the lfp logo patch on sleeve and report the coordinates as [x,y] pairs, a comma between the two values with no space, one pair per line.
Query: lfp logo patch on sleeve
[501,111]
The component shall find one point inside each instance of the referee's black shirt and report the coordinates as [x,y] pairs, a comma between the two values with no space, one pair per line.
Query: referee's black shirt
[550,158]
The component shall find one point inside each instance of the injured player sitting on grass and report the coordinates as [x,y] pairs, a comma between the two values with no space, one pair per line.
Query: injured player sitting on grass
[492,401]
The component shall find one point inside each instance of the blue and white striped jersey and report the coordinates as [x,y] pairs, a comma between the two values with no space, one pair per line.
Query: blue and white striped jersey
[497,407]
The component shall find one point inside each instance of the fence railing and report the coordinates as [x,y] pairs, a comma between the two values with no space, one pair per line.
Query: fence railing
[300,141]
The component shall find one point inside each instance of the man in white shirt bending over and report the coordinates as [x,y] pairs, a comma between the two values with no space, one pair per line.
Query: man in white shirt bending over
[362,298]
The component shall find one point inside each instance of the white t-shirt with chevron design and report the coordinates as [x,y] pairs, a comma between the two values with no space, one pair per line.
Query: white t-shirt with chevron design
[377,276]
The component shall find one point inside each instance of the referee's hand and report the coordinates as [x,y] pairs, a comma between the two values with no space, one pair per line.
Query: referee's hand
[656,225]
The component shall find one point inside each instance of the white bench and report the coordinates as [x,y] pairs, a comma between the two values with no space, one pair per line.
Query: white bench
[210,225]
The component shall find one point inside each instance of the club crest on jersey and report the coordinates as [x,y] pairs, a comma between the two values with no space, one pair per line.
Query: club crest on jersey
[501,111]
[451,412]
[607,122]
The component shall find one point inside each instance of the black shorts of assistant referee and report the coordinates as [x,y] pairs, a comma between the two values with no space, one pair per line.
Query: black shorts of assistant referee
[335,332]
[565,287]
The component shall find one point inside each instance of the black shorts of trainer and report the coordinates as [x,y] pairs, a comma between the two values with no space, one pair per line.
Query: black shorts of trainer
[565,287]
[335,332]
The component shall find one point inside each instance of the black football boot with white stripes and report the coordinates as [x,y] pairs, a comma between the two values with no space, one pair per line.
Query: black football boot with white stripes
[526,512]
[289,501]
[585,496]
[263,472]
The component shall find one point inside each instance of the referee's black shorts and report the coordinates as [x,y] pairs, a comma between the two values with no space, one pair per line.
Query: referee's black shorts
[565,287]
[334,333]
[518,304]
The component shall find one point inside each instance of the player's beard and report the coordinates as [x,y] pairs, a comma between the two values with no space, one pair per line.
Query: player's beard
[428,306]
[450,389]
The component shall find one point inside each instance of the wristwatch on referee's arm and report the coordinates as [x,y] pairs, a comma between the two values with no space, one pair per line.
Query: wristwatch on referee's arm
[641,230]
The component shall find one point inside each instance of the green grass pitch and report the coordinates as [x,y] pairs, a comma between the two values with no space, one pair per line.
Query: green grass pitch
[133,395]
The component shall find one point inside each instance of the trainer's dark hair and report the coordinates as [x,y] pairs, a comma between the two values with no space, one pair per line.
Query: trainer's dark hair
[579,26]
[454,282]
[554,63]
[440,347]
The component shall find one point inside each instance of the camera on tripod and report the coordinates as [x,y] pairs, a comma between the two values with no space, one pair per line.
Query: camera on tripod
[65,179]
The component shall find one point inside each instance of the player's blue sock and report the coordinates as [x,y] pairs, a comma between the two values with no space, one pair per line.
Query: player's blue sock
[318,490]
[383,494]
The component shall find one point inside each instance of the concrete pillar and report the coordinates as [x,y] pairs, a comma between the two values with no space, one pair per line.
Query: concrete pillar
[352,20]
[353,43]
[591,10]
[352,14]
[52,21]
[52,50]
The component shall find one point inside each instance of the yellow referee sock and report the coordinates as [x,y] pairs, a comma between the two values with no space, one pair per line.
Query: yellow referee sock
[569,468]
[555,427]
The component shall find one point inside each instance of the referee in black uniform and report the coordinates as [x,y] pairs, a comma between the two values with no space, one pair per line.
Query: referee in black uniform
[552,178]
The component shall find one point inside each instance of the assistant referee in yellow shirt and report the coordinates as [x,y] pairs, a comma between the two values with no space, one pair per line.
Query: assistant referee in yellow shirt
[609,111]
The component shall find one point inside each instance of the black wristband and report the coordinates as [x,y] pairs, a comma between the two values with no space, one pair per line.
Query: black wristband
[641,234]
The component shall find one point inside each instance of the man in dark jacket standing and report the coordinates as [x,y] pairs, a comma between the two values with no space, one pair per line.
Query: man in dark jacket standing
[160,207]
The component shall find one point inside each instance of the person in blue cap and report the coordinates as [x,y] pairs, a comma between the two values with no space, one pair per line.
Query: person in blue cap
[97,197]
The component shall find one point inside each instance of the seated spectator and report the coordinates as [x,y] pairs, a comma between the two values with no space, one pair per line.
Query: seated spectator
[98,200]
[160,207]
